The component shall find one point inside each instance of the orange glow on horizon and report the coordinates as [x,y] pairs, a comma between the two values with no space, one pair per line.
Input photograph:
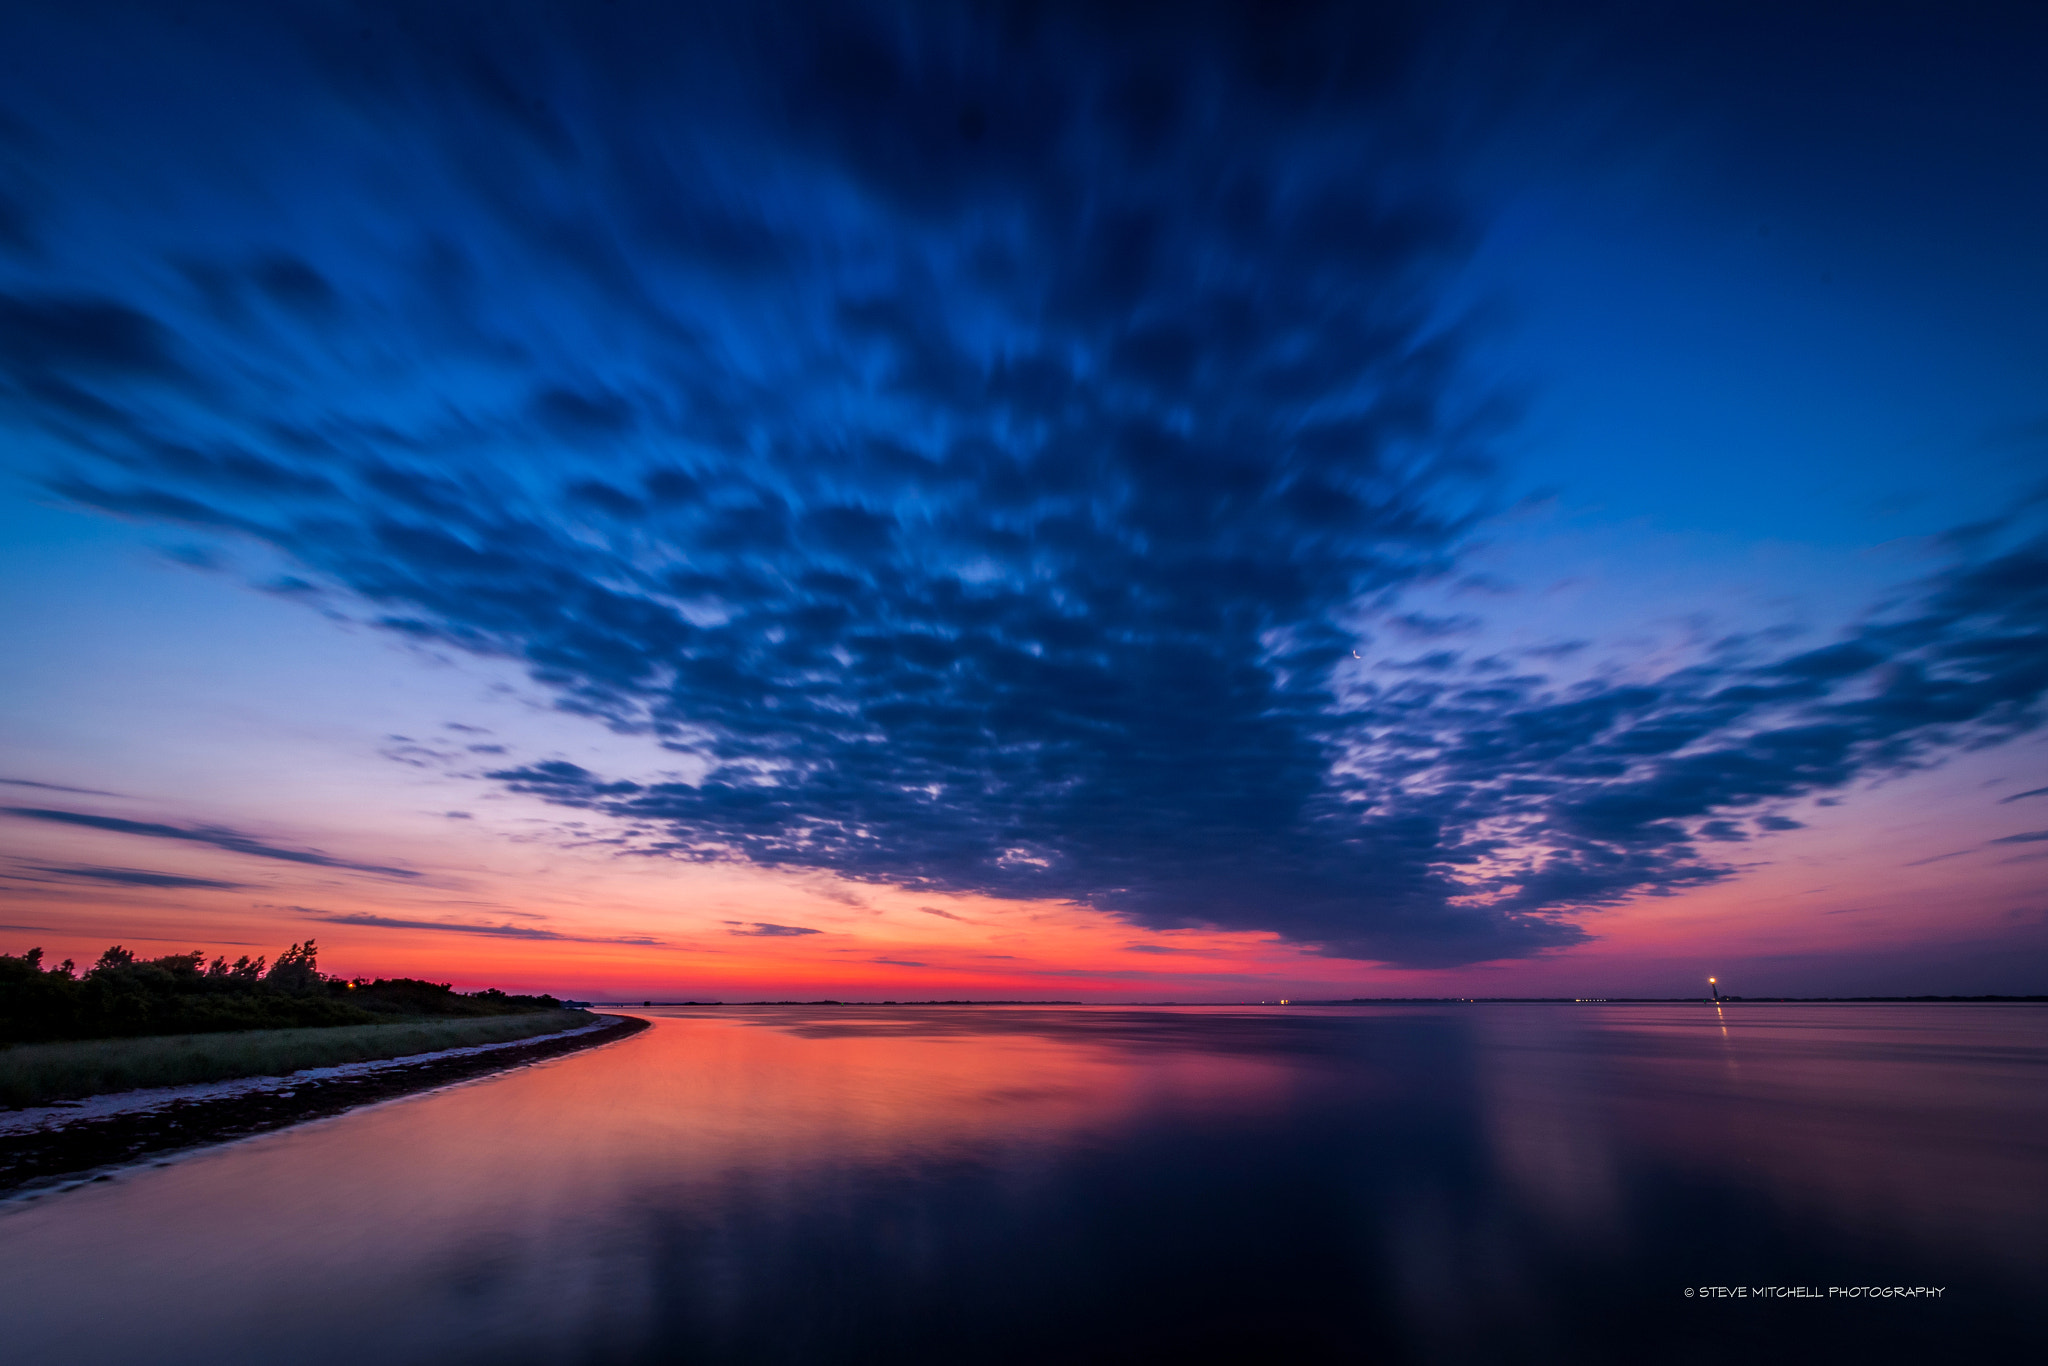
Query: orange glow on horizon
[493,906]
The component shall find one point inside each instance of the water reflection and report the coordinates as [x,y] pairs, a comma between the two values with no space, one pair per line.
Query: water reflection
[993,1185]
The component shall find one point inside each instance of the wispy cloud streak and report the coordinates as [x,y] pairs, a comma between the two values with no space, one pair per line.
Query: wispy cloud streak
[387,922]
[220,838]
[135,877]
[57,787]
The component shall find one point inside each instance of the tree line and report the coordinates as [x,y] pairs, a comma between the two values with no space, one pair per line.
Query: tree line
[122,996]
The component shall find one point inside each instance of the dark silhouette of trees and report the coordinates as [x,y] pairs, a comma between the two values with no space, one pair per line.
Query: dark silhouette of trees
[297,970]
[122,995]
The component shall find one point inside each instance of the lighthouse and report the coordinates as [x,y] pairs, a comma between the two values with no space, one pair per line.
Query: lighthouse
[1711,986]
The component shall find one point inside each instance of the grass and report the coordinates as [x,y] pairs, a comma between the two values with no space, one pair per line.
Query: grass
[38,1073]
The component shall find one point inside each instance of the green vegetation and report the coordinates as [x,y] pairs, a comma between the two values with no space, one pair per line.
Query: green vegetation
[122,996]
[37,1073]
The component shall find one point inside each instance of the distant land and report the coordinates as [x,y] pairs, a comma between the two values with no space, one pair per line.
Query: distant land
[1407,1001]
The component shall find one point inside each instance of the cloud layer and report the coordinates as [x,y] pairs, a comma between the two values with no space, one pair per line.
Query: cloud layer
[219,837]
[134,877]
[979,442]
[386,922]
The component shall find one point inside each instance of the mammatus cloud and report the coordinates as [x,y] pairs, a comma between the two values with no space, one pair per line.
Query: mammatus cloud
[1440,808]
[232,841]
[385,922]
[981,444]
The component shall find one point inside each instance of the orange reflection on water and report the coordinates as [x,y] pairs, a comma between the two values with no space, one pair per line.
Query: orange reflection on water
[802,1086]
[462,1193]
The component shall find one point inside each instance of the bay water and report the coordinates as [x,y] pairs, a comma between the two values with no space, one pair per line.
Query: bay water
[826,1184]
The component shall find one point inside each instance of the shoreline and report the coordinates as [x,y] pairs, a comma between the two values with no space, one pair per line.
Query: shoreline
[60,1145]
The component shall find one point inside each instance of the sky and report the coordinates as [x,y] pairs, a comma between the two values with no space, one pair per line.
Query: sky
[1030,501]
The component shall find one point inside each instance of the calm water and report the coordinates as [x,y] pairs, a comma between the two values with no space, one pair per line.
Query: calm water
[1508,1183]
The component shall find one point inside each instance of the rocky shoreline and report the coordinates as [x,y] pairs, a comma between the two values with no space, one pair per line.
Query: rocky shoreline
[69,1150]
